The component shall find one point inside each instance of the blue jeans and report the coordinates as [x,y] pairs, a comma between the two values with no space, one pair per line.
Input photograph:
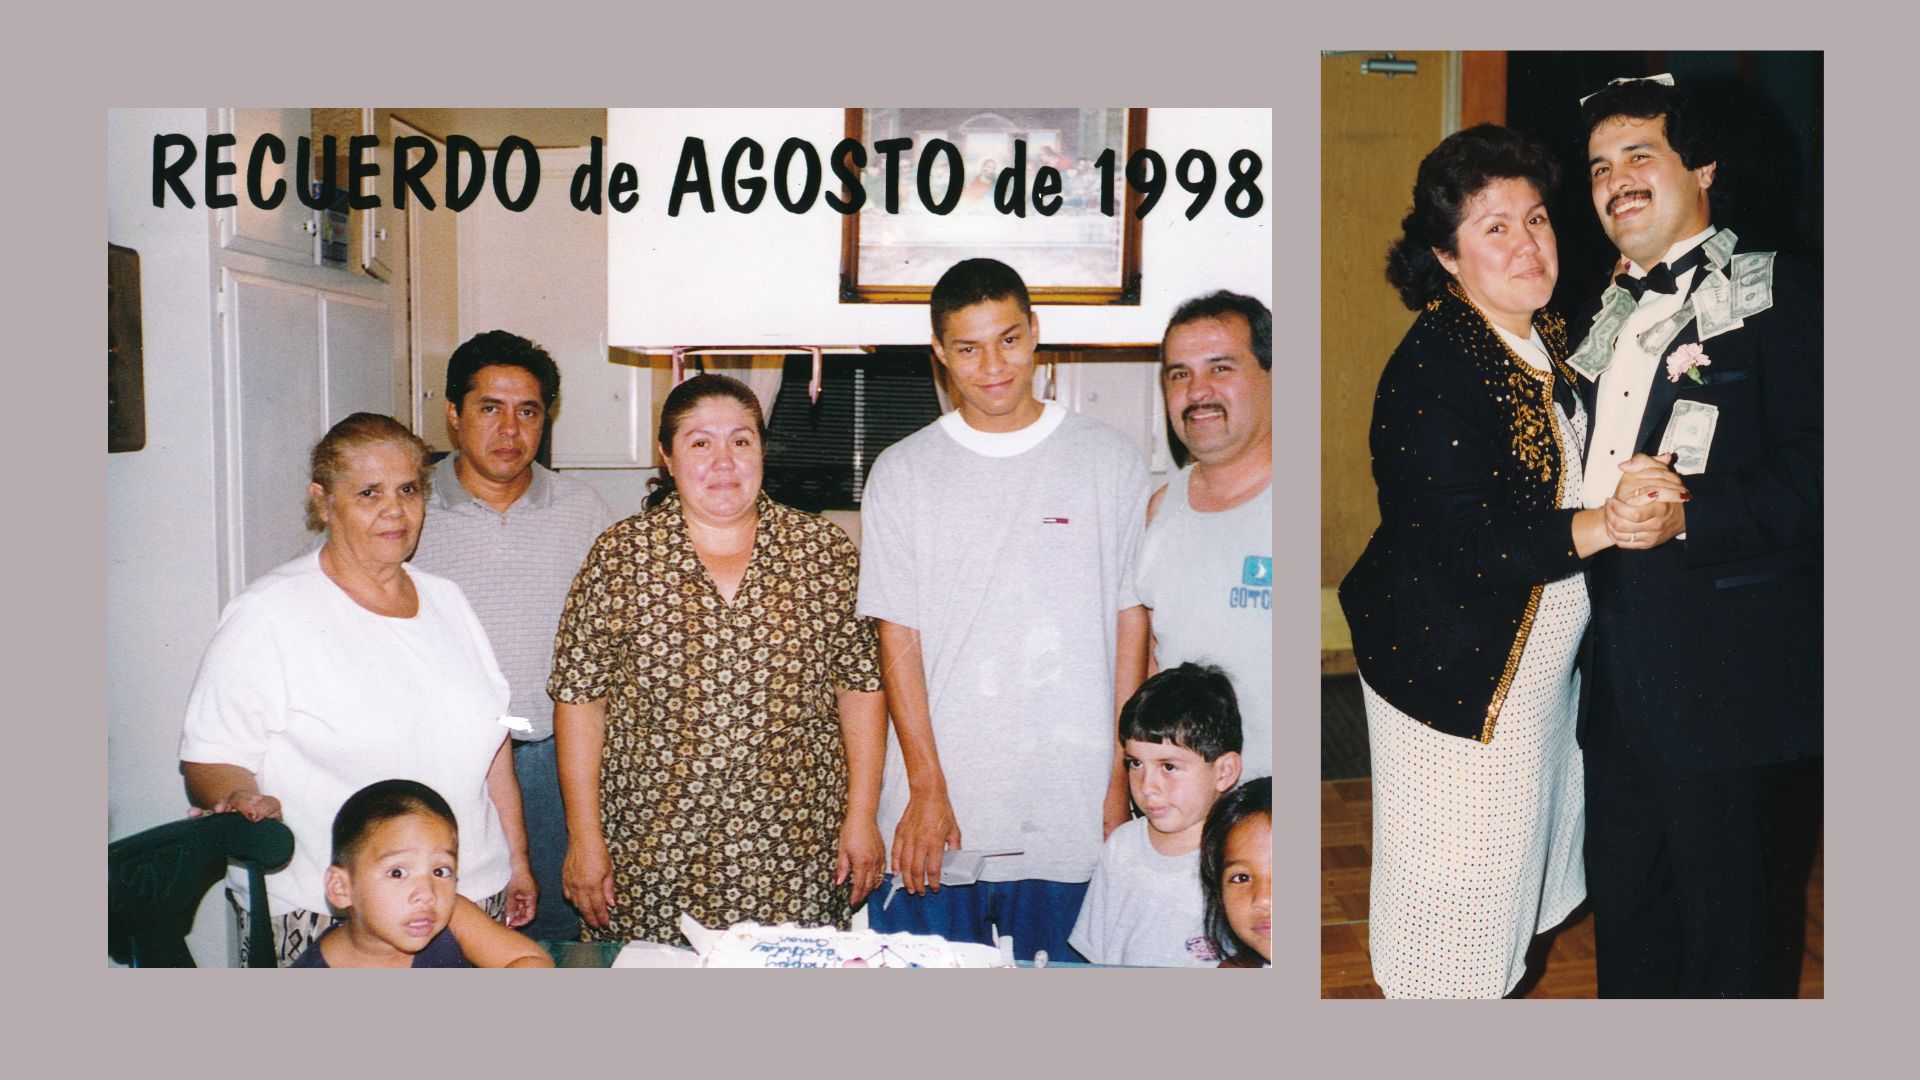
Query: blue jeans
[1038,914]
[538,770]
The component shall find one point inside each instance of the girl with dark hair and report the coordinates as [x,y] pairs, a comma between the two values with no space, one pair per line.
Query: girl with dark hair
[1236,874]
[1469,602]
[718,709]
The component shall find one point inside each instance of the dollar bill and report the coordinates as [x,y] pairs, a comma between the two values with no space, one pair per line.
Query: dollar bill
[1719,247]
[1655,339]
[1713,303]
[1689,434]
[1752,283]
[1596,352]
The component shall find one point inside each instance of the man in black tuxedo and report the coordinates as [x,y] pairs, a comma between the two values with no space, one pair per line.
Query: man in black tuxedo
[1703,391]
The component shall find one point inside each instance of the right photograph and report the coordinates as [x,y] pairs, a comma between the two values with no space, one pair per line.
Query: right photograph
[1572,558]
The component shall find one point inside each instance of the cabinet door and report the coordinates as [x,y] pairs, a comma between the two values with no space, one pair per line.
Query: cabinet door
[542,274]
[275,410]
[288,230]
[1123,394]
[297,361]
[383,244]
[359,366]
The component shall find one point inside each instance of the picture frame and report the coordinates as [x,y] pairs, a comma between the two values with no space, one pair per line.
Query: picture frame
[1074,255]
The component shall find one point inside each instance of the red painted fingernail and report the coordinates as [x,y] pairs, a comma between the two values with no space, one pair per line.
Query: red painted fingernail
[1686,496]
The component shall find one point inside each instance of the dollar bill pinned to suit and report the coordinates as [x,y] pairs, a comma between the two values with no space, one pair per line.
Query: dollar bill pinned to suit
[1655,339]
[1752,283]
[1689,435]
[1713,303]
[1595,354]
[1719,247]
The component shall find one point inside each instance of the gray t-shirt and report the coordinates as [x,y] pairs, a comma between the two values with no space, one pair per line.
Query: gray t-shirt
[1012,554]
[1209,579]
[1143,908]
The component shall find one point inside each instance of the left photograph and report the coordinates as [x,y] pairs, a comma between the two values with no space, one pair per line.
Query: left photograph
[689,537]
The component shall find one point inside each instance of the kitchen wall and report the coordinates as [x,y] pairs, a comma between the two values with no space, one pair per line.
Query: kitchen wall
[163,592]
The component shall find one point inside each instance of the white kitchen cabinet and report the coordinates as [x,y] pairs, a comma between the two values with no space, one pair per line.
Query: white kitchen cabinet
[383,236]
[1124,394]
[296,359]
[287,231]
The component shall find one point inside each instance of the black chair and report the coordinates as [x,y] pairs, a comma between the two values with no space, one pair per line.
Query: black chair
[156,879]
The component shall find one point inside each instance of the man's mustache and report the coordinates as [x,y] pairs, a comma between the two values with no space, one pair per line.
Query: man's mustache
[1615,201]
[1187,413]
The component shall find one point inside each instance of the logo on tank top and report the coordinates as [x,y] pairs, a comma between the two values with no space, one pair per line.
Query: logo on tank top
[1256,584]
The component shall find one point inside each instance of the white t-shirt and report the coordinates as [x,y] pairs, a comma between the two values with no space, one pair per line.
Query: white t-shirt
[319,697]
[1143,908]
[1012,554]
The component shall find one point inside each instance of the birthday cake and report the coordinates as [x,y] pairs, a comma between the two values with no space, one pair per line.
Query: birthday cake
[751,945]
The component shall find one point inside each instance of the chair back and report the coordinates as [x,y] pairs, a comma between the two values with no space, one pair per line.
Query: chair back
[156,879]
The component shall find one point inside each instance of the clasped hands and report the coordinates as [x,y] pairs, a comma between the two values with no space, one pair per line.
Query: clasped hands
[1648,508]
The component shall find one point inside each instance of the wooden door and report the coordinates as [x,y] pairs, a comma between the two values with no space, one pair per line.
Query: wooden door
[1374,131]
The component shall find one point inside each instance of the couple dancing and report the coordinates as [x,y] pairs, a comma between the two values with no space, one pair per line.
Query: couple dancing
[1588,626]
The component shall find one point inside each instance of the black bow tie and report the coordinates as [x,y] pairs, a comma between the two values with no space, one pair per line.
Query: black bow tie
[1662,278]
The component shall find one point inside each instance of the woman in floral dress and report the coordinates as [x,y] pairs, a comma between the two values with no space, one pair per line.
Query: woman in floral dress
[718,708]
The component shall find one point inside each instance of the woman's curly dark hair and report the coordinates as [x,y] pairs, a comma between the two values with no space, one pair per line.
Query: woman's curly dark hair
[1449,178]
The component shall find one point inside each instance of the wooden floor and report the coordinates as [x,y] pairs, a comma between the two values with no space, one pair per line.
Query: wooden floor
[1561,965]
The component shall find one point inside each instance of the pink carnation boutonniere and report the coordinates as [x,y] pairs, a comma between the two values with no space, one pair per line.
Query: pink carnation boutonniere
[1687,360]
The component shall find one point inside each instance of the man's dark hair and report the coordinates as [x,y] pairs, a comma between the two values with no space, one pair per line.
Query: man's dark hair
[384,801]
[1217,304]
[975,281]
[1191,705]
[1459,168]
[500,347]
[1644,100]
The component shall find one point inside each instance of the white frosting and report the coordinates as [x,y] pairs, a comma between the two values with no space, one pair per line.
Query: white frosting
[751,945]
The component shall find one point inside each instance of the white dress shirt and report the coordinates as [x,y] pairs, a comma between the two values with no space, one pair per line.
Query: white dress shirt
[1621,400]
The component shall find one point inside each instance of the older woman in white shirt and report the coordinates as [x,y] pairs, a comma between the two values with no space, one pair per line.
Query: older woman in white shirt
[344,667]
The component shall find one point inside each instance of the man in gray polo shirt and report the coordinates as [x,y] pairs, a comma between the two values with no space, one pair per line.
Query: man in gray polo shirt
[512,534]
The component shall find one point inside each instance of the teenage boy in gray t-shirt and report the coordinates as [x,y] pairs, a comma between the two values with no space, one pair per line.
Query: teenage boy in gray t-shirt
[997,557]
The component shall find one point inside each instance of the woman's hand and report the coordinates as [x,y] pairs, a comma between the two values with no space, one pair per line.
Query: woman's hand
[1648,506]
[248,804]
[226,789]
[927,830]
[586,878]
[861,858]
[523,895]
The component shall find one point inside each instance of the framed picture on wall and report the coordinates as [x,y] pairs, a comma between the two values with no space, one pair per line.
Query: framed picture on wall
[1062,167]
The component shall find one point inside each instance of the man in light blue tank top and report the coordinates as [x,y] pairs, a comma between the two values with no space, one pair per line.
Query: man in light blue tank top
[1206,563]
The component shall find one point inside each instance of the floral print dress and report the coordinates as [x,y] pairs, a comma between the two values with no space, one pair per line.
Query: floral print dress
[723,779]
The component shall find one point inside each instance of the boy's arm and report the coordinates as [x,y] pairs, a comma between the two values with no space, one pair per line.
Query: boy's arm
[927,827]
[488,944]
[1134,632]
